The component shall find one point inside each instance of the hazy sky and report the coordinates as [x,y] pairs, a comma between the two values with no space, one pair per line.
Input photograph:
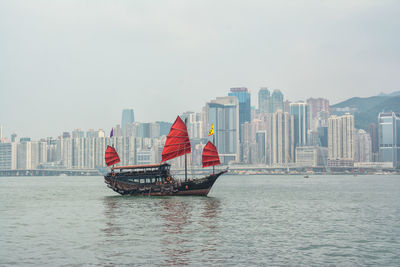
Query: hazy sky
[77,64]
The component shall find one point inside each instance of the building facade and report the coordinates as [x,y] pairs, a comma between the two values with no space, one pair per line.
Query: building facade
[264,100]
[8,156]
[282,138]
[341,137]
[316,105]
[128,117]
[389,138]
[299,111]
[362,147]
[223,113]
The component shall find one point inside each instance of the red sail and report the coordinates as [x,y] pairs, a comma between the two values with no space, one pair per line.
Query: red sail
[111,156]
[177,143]
[210,155]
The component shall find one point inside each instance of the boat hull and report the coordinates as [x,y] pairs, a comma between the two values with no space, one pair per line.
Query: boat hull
[192,187]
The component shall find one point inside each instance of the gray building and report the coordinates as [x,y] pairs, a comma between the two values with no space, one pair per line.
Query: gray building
[128,117]
[261,142]
[277,101]
[223,113]
[264,100]
[301,123]
[389,138]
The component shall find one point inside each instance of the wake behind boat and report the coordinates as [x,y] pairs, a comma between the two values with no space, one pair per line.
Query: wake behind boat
[156,179]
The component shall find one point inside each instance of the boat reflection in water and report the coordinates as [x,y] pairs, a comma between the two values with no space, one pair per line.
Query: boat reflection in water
[166,231]
[190,230]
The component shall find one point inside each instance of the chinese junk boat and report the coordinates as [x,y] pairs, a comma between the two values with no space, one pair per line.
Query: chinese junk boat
[156,179]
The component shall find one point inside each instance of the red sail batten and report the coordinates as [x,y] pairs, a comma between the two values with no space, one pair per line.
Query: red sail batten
[210,155]
[111,156]
[177,143]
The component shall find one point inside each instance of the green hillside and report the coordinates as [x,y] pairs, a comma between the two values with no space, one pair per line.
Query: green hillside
[368,108]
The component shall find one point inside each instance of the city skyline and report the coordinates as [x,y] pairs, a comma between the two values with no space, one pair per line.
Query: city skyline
[64,64]
[118,122]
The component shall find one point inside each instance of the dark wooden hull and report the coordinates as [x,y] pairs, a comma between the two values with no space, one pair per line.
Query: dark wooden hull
[193,187]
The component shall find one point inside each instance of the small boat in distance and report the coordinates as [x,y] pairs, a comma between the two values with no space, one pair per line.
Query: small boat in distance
[156,179]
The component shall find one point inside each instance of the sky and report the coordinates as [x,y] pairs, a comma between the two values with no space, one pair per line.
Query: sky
[77,64]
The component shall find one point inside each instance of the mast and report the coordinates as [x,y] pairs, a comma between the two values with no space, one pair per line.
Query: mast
[185,158]
[214,145]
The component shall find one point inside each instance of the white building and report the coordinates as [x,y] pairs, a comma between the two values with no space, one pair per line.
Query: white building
[146,156]
[66,155]
[282,138]
[8,156]
[341,137]
[311,156]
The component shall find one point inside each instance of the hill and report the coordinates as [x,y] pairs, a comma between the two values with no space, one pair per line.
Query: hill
[366,109]
[395,93]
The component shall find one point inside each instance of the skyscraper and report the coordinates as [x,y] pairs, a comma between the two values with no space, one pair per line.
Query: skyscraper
[282,138]
[362,148]
[264,100]
[223,113]
[1,133]
[341,137]
[24,156]
[261,140]
[316,105]
[8,156]
[389,138]
[14,137]
[243,97]
[127,118]
[301,123]
[277,101]
[373,133]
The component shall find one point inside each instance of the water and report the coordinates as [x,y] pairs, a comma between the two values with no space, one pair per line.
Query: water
[247,220]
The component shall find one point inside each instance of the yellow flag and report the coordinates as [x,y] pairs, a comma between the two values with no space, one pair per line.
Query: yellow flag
[211,132]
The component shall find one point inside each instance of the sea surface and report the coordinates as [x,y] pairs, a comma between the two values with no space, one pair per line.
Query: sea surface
[245,221]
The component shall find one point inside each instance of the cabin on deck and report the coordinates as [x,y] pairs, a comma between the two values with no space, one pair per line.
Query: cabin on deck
[144,174]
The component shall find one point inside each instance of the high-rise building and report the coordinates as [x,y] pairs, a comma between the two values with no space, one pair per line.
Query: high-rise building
[341,137]
[14,138]
[243,97]
[194,124]
[1,133]
[78,133]
[127,118]
[66,153]
[315,106]
[301,123]
[66,135]
[264,100]
[276,101]
[323,136]
[8,156]
[223,113]
[389,138]
[164,127]
[373,133]
[261,142]
[362,148]
[24,156]
[282,136]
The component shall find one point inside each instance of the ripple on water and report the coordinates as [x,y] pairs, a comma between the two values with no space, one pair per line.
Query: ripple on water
[252,220]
